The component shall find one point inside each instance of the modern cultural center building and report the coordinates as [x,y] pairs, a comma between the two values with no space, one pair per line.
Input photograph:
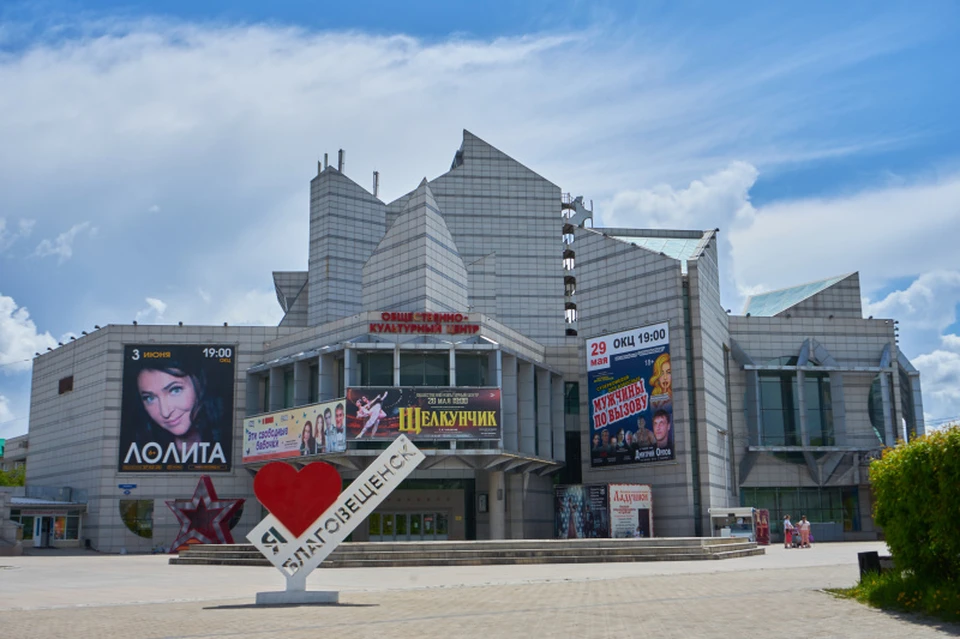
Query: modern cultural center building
[518,346]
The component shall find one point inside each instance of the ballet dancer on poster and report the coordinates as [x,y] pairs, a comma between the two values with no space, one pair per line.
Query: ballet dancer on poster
[371,409]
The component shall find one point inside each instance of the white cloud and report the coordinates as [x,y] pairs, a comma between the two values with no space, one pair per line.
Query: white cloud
[63,244]
[6,414]
[719,200]
[885,233]
[926,308]
[19,337]
[154,310]
[929,303]
[705,203]
[10,237]
[940,381]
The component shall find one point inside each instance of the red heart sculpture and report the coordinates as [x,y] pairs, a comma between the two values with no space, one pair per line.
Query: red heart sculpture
[297,499]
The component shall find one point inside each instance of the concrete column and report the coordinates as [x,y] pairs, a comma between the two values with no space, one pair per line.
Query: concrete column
[276,389]
[557,417]
[514,492]
[301,382]
[543,414]
[508,402]
[453,365]
[839,407]
[396,365]
[328,377]
[802,409]
[525,408]
[496,505]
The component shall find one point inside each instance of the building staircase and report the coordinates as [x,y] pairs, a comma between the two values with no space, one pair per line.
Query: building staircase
[479,553]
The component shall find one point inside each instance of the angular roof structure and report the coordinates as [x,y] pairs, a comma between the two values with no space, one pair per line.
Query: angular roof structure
[776,302]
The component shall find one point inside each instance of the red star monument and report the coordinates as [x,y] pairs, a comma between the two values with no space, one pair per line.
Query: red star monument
[204,517]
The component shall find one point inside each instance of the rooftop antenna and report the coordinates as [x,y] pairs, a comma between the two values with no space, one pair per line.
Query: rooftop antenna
[376,183]
[326,162]
[340,156]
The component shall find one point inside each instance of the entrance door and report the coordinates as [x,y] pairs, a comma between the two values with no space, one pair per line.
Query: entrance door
[416,526]
[42,531]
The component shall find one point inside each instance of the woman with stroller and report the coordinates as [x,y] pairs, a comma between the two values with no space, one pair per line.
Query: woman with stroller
[787,531]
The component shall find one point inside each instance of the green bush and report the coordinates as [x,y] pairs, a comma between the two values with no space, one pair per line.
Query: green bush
[917,490]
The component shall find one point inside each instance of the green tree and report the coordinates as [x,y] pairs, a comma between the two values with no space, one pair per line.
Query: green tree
[15,477]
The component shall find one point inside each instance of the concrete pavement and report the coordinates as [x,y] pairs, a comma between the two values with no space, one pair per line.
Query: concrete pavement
[90,595]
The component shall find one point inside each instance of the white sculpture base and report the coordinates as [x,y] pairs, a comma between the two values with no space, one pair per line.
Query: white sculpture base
[297,597]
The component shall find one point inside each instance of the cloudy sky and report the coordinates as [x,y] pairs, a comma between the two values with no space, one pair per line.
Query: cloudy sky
[154,163]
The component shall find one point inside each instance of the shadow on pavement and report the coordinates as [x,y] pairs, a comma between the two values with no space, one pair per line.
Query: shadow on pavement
[314,605]
[920,619]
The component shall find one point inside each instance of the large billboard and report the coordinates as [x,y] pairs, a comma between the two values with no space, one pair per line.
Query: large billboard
[375,412]
[581,511]
[630,386]
[631,510]
[177,408]
[296,432]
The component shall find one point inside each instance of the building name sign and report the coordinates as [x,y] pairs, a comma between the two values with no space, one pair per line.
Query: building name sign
[422,323]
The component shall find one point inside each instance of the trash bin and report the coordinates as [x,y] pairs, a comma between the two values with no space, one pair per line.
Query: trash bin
[869,562]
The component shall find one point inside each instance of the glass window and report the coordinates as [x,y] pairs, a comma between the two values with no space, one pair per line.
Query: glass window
[816,394]
[441,523]
[314,395]
[424,369]
[571,398]
[26,521]
[137,516]
[288,387]
[374,523]
[376,369]
[265,384]
[778,410]
[73,527]
[472,369]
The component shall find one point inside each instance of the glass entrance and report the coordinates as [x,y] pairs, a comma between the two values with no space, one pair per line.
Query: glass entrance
[417,526]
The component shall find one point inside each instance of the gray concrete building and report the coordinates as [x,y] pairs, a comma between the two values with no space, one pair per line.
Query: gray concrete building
[485,284]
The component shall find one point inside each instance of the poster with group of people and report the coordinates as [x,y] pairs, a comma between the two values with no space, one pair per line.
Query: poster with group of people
[296,432]
[630,388]
[176,410]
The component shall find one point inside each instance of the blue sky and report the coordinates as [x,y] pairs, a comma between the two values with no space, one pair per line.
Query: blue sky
[156,156]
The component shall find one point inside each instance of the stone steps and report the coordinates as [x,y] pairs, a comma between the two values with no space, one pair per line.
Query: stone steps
[477,553]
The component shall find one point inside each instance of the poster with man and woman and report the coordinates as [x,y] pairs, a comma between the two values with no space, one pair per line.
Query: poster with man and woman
[630,388]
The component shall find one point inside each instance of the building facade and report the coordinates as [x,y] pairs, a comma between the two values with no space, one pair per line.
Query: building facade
[462,314]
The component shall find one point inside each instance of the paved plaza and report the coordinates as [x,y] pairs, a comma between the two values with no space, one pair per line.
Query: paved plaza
[78,594]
